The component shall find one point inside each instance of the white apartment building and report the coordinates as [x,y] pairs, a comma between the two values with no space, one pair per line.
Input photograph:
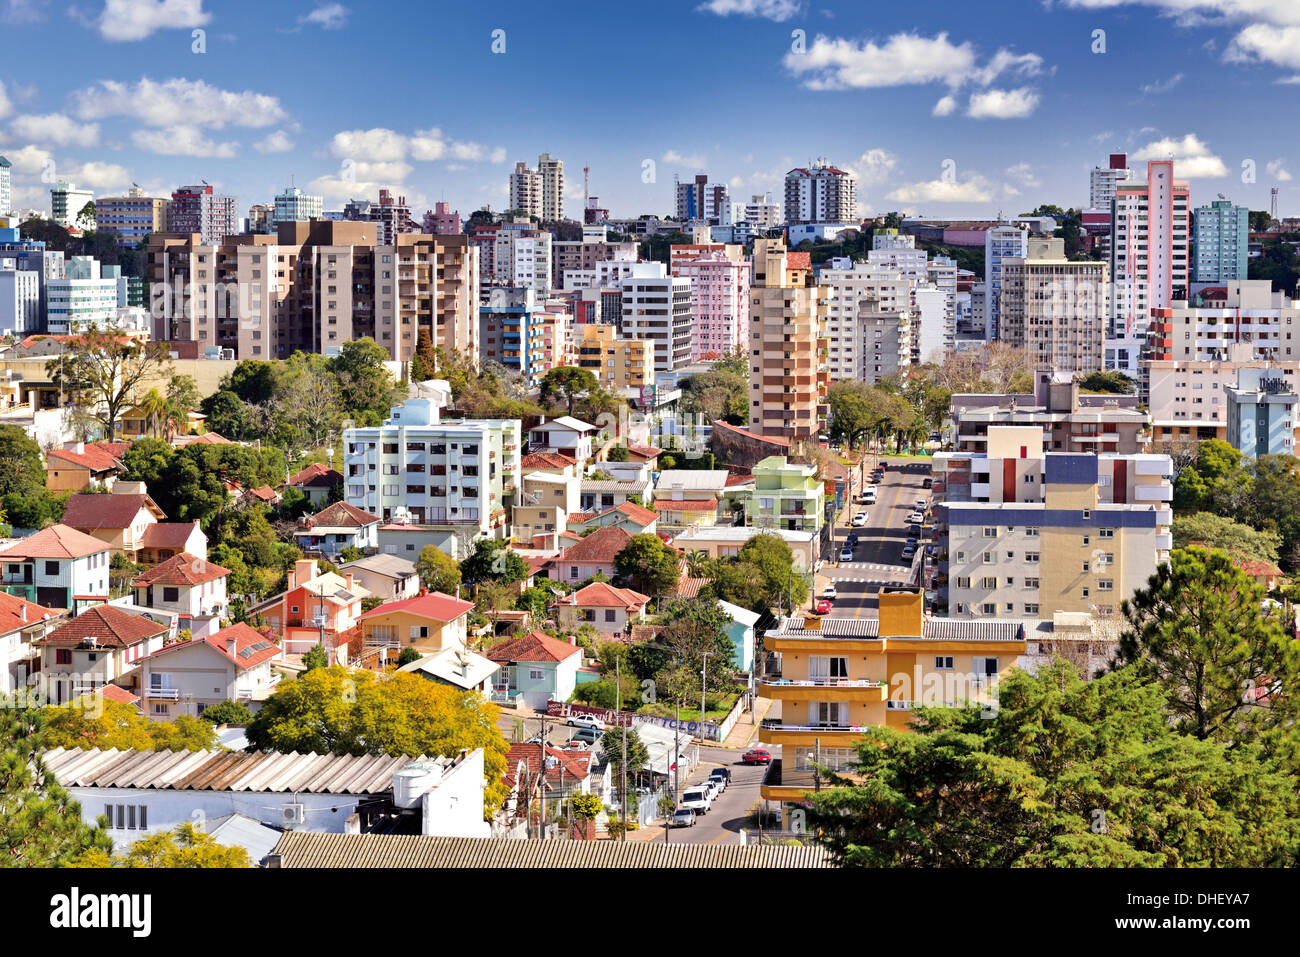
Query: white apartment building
[523,259]
[66,202]
[293,205]
[657,307]
[6,187]
[1103,181]
[1001,242]
[20,299]
[551,173]
[868,326]
[761,212]
[820,193]
[931,338]
[526,190]
[719,303]
[83,299]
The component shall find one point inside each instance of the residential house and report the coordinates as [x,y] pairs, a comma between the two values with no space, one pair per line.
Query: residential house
[457,667]
[783,495]
[102,645]
[57,567]
[596,495]
[188,586]
[551,462]
[741,633]
[428,623]
[647,454]
[544,505]
[387,577]
[316,482]
[605,607]
[22,623]
[592,555]
[338,527]
[83,467]
[726,541]
[314,608]
[233,664]
[632,518]
[535,669]
[564,435]
[164,540]
[689,497]
[562,772]
[1265,573]
[123,518]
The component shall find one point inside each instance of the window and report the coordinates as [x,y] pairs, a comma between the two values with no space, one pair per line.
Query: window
[1106,584]
[1086,540]
[1086,593]
[611,614]
[1031,608]
[1087,567]
[171,595]
[536,674]
[1031,582]
[52,568]
[989,558]
[1032,531]
[963,582]
[1106,533]
[127,817]
[943,662]
[419,631]
[63,656]
[988,583]
[1031,557]
[990,532]
[989,608]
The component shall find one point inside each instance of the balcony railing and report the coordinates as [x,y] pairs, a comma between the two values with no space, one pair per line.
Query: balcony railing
[827,683]
[164,694]
[778,725]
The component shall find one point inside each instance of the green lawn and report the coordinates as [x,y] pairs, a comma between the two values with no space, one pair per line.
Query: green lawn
[714,715]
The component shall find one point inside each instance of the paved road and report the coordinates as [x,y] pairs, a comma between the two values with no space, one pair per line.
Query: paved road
[731,810]
[878,559]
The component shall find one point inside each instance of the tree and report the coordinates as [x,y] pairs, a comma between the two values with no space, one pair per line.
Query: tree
[96,722]
[335,711]
[1211,531]
[1202,631]
[693,628]
[183,847]
[638,755]
[782,584]
[40,823]
[228,712]
[24,468]
[491,560]
[424,364]
[438,571]
[315,658]
[408,656]
[183,397]
[154,407]
[1071,773]
[86,216]
[566,384]
[364,383]
[102,370]
[649,564]
[1110,381]
[1216,482]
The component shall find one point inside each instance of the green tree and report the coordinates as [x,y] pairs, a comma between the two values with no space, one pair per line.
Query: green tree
[183,397]
[364,382]
[783,585]
[24,471]
[1219,532]
[566,384]
[1216,482]
[230,416]
[638,755]
[1110,381]
[648,564]
[228,712]
[102,370]
[408,656]
[96,722]
[424,364]
[315,658]
[438,571]
[491,560]
[1202,630]
[693,628]
[183,847]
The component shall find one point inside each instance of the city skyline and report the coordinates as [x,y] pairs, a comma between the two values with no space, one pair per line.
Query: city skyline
[973,110]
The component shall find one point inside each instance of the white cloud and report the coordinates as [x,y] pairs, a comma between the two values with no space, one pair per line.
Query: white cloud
[1002,104]
[98,175]
[974,190]
[473,152]
[498,155]
[177,101]
[1102,137]
[1278,171]
[1162,86]
[1270,11]
[329,16]
[20,11]
[390,173]
[692,160]
[1023,174]
[28,160]
[874,166]
[1192,158]
[125,20]
[277,142]
[182,141]
[374,145]
[945,106]
[55,129]
[836,63]
[777,10]
[1266,42]
[380,145]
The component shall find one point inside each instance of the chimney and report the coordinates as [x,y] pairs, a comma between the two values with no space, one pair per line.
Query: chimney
[232,646]
[348,579]
[304,570]
[22,613]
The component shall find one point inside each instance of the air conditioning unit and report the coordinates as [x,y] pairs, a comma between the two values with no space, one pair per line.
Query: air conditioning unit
[293,814]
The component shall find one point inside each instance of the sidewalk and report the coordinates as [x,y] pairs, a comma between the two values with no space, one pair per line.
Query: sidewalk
[742,735]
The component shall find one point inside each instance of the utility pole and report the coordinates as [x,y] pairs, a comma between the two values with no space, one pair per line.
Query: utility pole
[622,734]
[704,679]
[542,819]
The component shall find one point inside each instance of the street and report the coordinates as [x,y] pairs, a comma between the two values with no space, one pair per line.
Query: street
[731,810]
[878,558]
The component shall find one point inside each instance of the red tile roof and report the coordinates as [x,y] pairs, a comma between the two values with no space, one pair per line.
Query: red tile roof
[1258,569]
[17,612]
[435,605]
[90,510]
[182,569]
[110,626]
[120,695]
[168,534]
[546,460]
[568,766]
[340,515]
[644,451]
[251,646]
[57,541]
[317,475]
[96,458]
[638,513]
[690,587]
[599,547]
[795,260]
[207,438]
[264,492]
[605,595]
[738,480]
[534,647]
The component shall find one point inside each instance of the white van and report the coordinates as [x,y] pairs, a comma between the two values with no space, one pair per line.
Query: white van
[696,799]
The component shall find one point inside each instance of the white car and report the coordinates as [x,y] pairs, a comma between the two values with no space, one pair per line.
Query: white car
[829,593]
[916,518]
[585,721]
[860,520]
[696,799]
[869,495]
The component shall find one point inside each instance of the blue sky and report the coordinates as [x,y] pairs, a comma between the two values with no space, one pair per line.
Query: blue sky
[346,97]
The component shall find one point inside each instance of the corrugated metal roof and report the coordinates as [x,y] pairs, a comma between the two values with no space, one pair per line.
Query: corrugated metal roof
[302,849]
[226,771]
[934,629]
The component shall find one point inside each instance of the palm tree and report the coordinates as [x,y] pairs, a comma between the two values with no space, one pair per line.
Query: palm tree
[153,405]
[696,559]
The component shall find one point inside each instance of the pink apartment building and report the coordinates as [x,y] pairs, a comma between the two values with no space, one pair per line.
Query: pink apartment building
[442,220]
[719,303]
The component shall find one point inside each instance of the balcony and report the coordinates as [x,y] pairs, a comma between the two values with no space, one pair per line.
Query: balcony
[825,689]
[163,694]
[775,732]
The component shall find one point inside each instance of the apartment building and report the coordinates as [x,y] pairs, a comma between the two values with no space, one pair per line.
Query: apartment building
[1054,309]
[442,220]
[787,331]
[83,299]
[618,363]
[700,201]
[293,205]
[1250,313]
[20,299]
[526,334]
[6,187]
[67,202]
[391,216]
[1103,181]
[1001,242]
[526,190]
[134,217]
[1261,414]
[1221,241]
[719,303]
[784,495]
[198,209]
[582,256]
[551,172]
[455,476]
[1021,532]
[657,309]
[761,213]
[313,286]
[820,193]
[841,676]
[868,320]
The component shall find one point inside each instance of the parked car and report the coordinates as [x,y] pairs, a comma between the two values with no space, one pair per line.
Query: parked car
[588,736]
[722,772]
[585,721]
[931,550]
[714,788]
[927,483]
[916,518]
[697,799]
[823,607]
[869,496]
[914,529]
[860,520]
[683,817]
[576,744]
[829,592]
[846,553]
[852,540]
[920,505]
[756,756]
[909,550]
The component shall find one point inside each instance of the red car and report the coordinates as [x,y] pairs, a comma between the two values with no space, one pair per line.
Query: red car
[757,756]
[823,607]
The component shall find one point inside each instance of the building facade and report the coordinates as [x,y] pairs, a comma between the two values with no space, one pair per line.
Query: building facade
[787,371]
[820,193]
[1221,242]
[1054,309]
[197,209]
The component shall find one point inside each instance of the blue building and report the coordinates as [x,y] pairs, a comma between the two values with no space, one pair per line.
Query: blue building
[1220,240]
[1261,414]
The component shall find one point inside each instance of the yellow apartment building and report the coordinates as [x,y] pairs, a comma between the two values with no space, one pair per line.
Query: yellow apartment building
[841,676]
[617,363]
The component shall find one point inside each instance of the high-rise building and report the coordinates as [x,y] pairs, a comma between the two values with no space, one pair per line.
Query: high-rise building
[1001,242]
[67,202]
[525,333]
[719,303]
[294,205]
[1148,257]
[868,320]
[572,257]
[259,218]
[616,362]
[892,239]
[6,187]
[820,193]
[313,286]
[526,190]
[551,173]
[657,307]
[1221,243]
[442,220]
[1261,414]
[20,299]
[700,201]
[391,216]
[84,298]
[786,330]
[1103,180]
[133,217]
[197,209]
[761,212]
[1054,309]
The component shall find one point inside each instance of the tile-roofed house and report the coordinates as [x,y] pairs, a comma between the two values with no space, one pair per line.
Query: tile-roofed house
[122,518]
[535,668]
[603,606]
[548,462]
[207,438]
[644,453]
[596,495]
[387,577]
[337,527]
[563,435]
[567,771]
[58,567]
[22,623]
[314,606]
[298,849]
[427,623]
[188,586]
[120,695]
[162,540]
[232,664]
[264,493]
[593,554]
[688,587]
[102,645]
[316,481]
[633,518]
[84,466]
